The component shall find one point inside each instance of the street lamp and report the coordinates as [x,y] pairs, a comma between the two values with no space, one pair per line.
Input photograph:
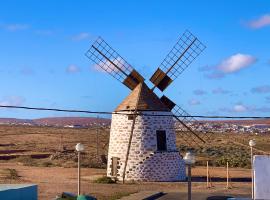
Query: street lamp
[79,148]
[252,143]
[189,160]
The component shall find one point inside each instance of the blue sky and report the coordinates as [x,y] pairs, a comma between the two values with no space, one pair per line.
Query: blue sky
[42,60]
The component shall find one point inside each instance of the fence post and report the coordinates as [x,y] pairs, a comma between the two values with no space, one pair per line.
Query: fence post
[207,175]
[228,177]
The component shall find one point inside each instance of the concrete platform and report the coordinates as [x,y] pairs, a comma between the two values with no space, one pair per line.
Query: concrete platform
[18,192]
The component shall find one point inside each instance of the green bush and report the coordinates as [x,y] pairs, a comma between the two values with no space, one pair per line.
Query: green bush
[46,164]
[26,160]
[105,180]
[11,174]
[219,155]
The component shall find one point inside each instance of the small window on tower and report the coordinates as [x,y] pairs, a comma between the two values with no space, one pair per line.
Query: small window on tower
[161,140]
[130,117]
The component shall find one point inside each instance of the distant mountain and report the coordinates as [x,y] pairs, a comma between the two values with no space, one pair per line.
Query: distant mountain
[65,121]
[57,121]
[243,122]
[91,121]
[15,121]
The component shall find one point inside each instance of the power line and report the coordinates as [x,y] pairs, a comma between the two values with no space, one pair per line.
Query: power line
[122,113]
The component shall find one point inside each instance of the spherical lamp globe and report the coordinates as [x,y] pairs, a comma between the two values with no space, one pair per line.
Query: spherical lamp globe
[252,143]
[79,147]
[189,158]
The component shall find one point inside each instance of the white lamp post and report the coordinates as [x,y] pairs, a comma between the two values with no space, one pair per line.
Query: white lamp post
[252,143]
[189,160]
[79,148]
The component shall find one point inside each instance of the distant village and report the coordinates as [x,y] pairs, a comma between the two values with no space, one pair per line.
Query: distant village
[209,126]
[230,127]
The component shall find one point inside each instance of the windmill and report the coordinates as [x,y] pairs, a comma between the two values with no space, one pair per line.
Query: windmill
[142,138]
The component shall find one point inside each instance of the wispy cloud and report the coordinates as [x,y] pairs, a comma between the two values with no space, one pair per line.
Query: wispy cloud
[27,71]
[15,27]
[72,69]
[215,75]
[235,63]
[44,32]
[109,66]
[199,92]
[12,101]
[237,108]
[194,102]
[231,65]
[261,89]
[260,22]
[241,108]
[220,90]
[86,97]
[263,109]
[206,68]
[81,36]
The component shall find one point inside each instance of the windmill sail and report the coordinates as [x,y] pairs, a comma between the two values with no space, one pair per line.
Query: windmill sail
[184,52]
[106,58]
[185,124]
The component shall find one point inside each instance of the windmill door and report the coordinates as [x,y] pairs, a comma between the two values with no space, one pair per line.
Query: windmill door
[161,140]
[114,166]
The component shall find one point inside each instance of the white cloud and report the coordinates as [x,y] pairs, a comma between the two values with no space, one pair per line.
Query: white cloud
[16,27]
[194,102]
[12,101]
[261,89]
[220,91]
[199,92]
[205,68]
[215,75]
[27,71]
[72,69]
[260,22]
[81,36]
[109,66]
[235,63]
[230,65]
[44,32]
[263,109]
[240,108]
[236,108]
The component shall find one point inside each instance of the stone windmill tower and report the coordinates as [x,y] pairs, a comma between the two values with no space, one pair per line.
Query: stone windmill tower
[142,138]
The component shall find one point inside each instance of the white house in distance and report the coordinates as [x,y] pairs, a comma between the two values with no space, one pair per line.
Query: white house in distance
[153,154]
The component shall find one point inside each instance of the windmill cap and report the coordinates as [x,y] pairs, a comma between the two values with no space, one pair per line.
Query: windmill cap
[143,98]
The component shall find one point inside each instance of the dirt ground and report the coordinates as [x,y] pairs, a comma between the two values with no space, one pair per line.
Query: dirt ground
[54,180]
[26,157]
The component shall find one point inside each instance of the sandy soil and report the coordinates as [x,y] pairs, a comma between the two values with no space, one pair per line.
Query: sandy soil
[19,141]
[54,180]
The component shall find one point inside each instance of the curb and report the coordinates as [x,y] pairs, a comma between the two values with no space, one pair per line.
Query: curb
[154,196]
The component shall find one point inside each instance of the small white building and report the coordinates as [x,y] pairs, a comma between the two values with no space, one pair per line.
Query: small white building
[153,155]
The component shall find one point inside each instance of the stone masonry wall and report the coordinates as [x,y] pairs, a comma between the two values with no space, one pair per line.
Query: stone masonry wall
[145,163]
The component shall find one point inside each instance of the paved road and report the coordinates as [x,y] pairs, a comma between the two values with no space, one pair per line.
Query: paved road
[167,196]
[175,196]
[181,196]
